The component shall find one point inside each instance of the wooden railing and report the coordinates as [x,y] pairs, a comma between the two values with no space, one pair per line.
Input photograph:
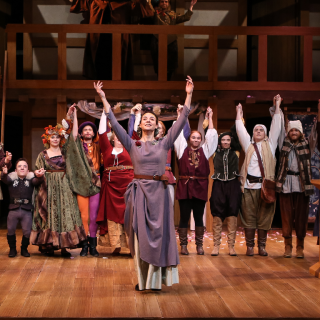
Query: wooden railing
[212,83]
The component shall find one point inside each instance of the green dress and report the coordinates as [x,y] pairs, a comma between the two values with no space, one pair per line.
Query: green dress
[57,221]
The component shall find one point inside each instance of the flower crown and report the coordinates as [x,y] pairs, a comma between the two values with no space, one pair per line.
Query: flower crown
[62,130]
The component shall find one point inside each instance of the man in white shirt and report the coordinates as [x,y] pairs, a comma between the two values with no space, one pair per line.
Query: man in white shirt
[255,212]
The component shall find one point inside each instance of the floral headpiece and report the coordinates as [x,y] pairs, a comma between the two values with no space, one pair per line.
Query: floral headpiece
[63,131]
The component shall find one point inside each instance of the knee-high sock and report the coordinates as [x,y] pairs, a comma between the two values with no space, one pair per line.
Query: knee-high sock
[83,203]
[94,207]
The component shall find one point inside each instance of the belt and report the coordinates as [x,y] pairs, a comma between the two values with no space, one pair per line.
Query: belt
[50,171]
[192,178]
[19,201]
[292,173]
[253,179]
[118,168]
[168,169]
[162,178]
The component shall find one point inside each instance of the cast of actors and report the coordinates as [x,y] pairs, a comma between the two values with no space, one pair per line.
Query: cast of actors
[192,188]
[255,212]
[149,220]
[118,174]
[89,206]
[226,193]
[21,183]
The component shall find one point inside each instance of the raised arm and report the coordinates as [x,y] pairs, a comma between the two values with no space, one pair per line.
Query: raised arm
[175,130]
[134,119]
[117,128]
[275,127]
[4,176]
[211,139]
[242,132]
[5,158]
[103,137]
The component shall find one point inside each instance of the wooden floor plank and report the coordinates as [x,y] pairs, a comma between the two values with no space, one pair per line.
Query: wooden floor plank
[35,304]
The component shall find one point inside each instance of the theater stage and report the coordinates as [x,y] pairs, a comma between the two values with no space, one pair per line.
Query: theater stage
[223,286]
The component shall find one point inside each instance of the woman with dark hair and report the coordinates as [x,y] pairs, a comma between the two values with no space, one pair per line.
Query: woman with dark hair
[192,189]
[149,212]
[118,173]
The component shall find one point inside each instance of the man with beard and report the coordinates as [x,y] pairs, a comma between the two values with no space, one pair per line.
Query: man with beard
[294,185]
[226,193]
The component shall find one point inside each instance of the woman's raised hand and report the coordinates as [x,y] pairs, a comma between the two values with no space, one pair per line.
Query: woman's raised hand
[189,85]
[99,90]
[136,109]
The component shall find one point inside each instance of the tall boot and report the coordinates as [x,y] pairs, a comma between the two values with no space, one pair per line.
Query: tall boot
[24,247]
[288,248]
[232,232]
[250,233]
[85,246]
[12,245]
[300,247]
[93,246]
[183,236]
[262,239]
[199,240]
[217,228]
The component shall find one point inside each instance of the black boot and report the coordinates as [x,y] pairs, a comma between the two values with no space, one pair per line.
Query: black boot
[199,231]
[250,233]
[262,239]
[93,246]
[12,245]
[24,247]
[85,246]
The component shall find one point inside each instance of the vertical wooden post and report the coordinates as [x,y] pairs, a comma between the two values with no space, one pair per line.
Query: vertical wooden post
[307,59]
[4,95]
[27,43]
[27,128]
[263,58]
[116,56]
[213,58]
[213,103]
[162,57]
[180,9]
[62,56]
[61,108]
[242,42]
[12,55]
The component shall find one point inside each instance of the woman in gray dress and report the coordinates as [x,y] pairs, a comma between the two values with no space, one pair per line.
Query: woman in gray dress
[148,218]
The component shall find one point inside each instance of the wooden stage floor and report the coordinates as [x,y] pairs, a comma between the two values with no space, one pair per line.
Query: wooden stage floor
[222,287]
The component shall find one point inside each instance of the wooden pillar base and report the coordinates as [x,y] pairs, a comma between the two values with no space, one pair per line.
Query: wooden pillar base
[315,270]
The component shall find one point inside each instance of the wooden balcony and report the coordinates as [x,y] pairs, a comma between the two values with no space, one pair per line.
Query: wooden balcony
[211,85]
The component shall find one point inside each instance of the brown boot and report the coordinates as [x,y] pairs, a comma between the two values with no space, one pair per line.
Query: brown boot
[288,248]
[262,239]
[232,230]
[183,236]
[300,247]
[199,240]
[250,233]
[217,228]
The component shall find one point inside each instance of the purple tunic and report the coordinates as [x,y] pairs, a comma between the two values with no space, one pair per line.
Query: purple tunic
[149,211]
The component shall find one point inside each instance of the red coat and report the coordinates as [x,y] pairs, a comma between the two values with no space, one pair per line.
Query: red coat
[114,185]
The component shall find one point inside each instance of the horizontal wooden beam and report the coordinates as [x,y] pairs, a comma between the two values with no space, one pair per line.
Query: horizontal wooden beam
[160,29]
[164,85]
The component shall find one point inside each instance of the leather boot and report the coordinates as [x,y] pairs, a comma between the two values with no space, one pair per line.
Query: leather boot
[85,246]
[183,236]
[199,240]
[249,234]
[288,248]
[262,239]
[232,230]
[24,247]
[93,246]
[217,228]
[12,245]
[300,247]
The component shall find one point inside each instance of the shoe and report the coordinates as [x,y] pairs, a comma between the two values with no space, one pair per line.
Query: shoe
[232,232]
[93,246]
[249,234]
[262,239]
[300,247]
[183,236]
[65,253]
[137,288]
[288,248]
[85,247]
[12,245]
[24,247]
[199,232]
[217,228]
